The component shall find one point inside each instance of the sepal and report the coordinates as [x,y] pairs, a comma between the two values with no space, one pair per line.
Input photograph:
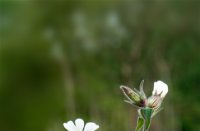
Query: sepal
[147,114]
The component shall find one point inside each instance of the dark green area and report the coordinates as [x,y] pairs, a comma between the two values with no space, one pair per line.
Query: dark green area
[66,59]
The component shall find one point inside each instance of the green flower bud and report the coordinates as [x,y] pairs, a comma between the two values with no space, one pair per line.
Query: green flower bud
[134,96]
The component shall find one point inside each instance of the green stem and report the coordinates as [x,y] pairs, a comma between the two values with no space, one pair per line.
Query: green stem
[144,128]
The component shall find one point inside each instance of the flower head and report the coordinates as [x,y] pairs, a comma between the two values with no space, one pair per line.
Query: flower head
[159,91]
[79,126]
[160,88]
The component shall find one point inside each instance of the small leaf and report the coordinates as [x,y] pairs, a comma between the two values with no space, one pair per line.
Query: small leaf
[140,123]
[141,89]
[146,114]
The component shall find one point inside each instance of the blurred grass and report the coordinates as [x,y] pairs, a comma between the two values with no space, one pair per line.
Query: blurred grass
[66,59]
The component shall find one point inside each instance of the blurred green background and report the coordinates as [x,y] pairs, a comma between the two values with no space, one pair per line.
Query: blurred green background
[66,59]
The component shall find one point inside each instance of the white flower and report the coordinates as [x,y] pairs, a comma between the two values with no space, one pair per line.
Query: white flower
[160,88]
[79,125]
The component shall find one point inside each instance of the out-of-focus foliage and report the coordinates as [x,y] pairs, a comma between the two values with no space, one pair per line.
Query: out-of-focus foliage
[66,59]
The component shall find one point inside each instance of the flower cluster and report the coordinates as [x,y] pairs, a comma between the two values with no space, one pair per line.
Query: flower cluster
[139,99]
[148,107]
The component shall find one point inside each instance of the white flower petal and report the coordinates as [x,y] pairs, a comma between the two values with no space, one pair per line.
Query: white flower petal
[90,126]
[69,126]
[79,124]
[160,88]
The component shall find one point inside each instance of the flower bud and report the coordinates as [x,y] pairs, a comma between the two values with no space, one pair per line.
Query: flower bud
[134,97]
[154,101]
[131,94]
